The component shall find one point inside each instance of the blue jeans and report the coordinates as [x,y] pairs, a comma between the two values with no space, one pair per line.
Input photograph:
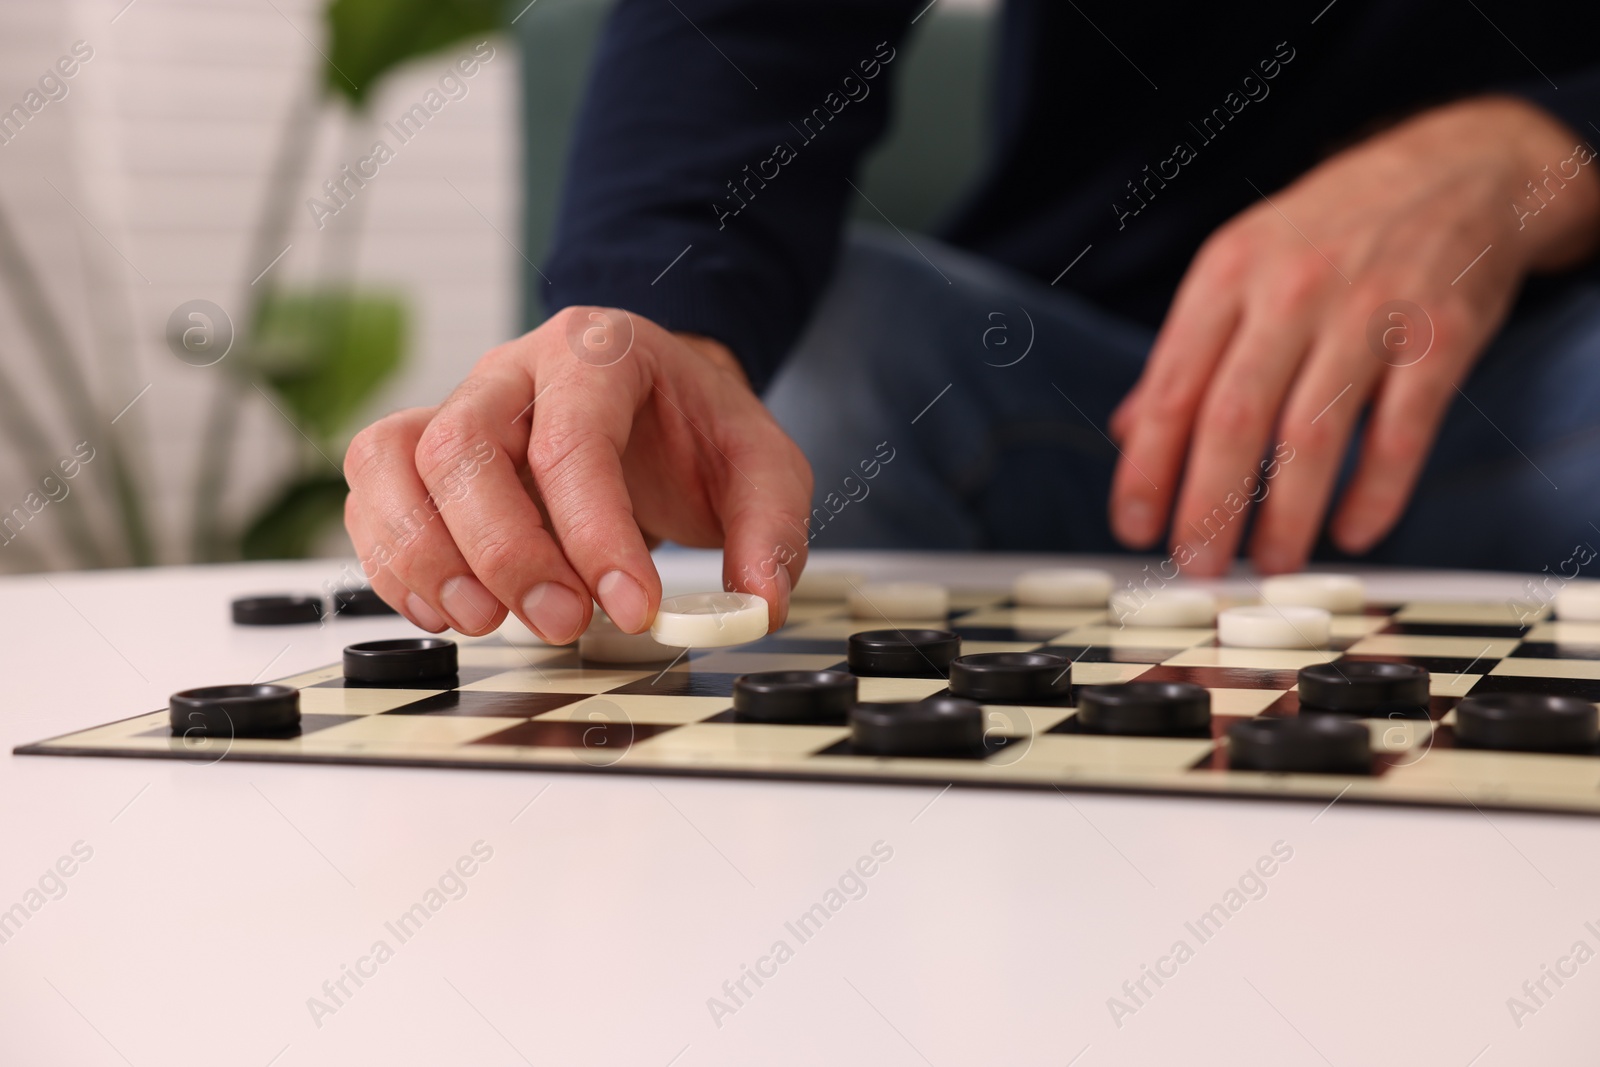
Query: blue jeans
[991,392]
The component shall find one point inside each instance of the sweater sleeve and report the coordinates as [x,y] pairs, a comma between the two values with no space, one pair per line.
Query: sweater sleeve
[710,171]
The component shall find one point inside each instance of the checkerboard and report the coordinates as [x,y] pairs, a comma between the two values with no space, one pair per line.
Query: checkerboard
[541,708]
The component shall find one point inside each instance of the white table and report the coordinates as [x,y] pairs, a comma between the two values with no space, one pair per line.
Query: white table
[219,899]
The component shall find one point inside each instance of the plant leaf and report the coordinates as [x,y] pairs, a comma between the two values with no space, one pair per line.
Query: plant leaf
[326,352]
[369,38]
[288,528]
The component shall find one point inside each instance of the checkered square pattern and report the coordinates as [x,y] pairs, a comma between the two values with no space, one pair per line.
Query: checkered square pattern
[541,708]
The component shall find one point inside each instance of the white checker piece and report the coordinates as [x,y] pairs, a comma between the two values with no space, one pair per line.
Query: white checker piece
[1274,626]
[900,600]
[1337,594]
[710,620]
[1164,608]
[1062,587]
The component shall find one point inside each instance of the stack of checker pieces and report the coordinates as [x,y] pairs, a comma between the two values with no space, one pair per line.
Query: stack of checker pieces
[514,706]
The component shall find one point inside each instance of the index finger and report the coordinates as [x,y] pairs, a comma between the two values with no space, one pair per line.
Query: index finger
[582,419]
[1230,437]
[468,458]
[1165,401]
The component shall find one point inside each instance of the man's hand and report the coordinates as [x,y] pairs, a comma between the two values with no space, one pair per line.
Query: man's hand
[1266,344]
[542,479]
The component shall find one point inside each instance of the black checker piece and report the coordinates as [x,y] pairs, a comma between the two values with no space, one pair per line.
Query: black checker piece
[821,697]
[1527,722]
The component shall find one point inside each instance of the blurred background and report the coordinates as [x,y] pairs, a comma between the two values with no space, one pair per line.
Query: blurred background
[212,275]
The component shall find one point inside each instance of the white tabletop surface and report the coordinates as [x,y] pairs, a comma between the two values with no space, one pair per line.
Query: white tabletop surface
[216,900]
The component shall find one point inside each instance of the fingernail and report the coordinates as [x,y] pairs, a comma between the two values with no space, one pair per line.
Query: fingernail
[420,613]
[555,611]
[1355,539]
[625,601]
[1203,564]
[1138,520]
[469,605]
[1275,561]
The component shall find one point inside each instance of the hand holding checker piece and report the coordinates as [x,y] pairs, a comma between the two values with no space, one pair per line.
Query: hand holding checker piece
[900,702]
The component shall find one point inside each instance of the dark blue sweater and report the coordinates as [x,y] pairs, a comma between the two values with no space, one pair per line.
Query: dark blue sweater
[732,126]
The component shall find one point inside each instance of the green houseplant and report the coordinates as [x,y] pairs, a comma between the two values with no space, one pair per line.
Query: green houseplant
[323,351]
[316,351]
